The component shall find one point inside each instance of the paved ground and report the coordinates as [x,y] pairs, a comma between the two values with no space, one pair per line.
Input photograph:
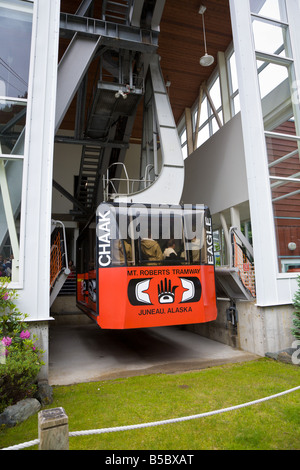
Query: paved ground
[82,352]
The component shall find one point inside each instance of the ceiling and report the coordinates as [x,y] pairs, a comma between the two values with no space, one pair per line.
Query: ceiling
[180,47]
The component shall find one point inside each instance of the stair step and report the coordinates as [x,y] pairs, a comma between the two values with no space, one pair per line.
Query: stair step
[116,11]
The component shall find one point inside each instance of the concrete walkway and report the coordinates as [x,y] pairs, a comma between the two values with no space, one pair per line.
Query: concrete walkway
[82,352]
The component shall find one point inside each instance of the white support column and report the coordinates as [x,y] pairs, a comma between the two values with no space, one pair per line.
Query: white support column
[235,217]
[38,161]
[226,236]
[264,242]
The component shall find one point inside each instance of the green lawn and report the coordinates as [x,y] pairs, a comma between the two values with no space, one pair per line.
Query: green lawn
[274,424]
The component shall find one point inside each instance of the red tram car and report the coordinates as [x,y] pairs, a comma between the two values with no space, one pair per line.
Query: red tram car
[142,266]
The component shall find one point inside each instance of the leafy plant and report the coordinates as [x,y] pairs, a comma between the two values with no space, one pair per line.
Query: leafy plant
[18,377]
[20,358]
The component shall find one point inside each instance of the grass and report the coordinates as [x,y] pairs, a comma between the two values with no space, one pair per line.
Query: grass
[274,424]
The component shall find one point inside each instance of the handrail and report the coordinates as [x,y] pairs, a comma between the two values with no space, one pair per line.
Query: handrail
[129,182]
[58,252]
[242,258]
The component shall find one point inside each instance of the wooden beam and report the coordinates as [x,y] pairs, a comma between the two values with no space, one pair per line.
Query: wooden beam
[212,106]
[189,130]
[198,115]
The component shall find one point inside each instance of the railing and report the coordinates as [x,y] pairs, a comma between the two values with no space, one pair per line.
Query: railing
[241,257]
[58,252]
[132,185]
[55,260]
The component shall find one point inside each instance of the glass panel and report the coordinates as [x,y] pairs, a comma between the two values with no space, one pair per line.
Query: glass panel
[215,94]
[203,135]
[15,39]
[270,38]
[233,73]
[12,122]
[10,203]
[270,76]
[270,8]
[215,125]
[149,236]
[217,247]
[236,104]
[194,118]
[183,137]
[283,157]
[184,151]
[287,225]
[203,113]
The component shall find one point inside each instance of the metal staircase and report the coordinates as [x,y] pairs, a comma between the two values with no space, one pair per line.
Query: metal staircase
[118,88]
[88,175]
[59,269]
[116,12]
[109,124]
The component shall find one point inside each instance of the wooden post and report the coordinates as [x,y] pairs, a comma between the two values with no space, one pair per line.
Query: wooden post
[198,116]
[53,429]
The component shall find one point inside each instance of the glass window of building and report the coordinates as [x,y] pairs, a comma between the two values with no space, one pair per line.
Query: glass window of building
[15,44]
[233,83]
[276,74]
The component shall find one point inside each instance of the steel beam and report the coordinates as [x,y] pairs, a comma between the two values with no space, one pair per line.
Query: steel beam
[114,35]
[157,14]
[167,188]
[96,143]
[71,70]
[69,196]
[84,7]
[136,12]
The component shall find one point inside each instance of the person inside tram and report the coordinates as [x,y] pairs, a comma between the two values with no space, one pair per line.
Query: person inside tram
[118,250]
[151,250]
[169,252]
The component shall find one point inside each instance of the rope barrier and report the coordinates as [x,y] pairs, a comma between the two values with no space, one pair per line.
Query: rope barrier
[158,423]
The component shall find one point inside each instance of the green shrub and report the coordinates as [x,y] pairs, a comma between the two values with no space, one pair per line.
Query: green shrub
[20,359]
[18,377]
[296,316]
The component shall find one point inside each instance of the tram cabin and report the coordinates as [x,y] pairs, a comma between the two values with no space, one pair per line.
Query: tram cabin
[142,266]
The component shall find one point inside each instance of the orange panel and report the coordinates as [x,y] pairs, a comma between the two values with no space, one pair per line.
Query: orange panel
[155,296]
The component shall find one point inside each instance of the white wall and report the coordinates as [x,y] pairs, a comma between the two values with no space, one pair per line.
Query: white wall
[215,174]
[66,164]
